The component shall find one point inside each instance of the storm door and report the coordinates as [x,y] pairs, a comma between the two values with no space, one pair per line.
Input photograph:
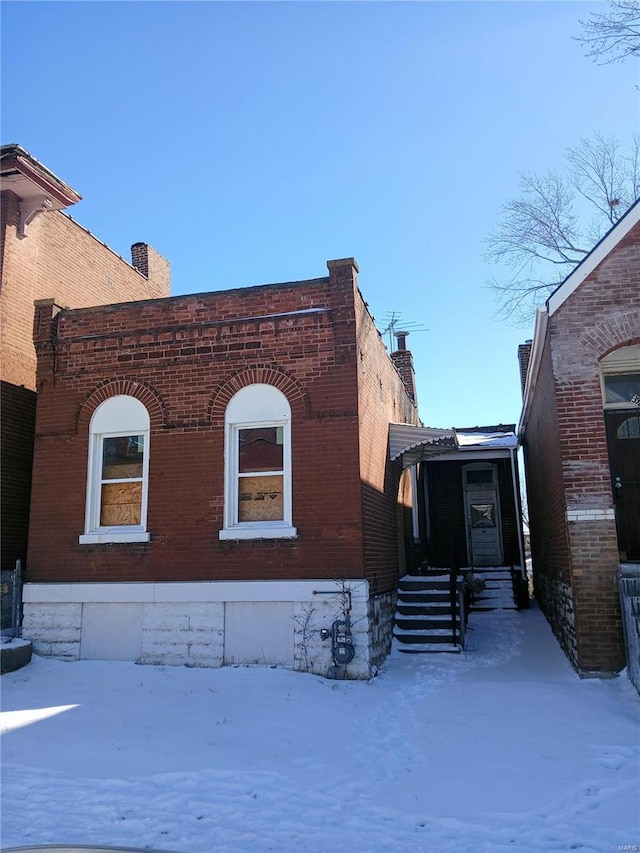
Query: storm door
[623,435]
[482,513]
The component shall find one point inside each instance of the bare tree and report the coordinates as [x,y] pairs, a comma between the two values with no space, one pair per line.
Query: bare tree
[557,219]
[615,35]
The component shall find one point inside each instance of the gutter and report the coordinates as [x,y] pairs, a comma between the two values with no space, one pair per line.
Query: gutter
[539,340]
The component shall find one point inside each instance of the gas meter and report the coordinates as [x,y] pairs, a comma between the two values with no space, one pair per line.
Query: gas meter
[342,649]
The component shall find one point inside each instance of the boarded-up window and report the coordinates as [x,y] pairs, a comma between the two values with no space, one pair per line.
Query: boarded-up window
[121,482]
[260,474]
[260,498]
[258,491]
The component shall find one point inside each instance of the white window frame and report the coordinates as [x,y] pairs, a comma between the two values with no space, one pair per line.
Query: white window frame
[253,407]
[120,416]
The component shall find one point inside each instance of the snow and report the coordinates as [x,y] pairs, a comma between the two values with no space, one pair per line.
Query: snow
[486,439]
[499,748]
[12,643]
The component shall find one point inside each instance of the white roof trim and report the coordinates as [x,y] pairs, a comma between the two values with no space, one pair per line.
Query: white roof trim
[469,454]
[595,257]
[537,348]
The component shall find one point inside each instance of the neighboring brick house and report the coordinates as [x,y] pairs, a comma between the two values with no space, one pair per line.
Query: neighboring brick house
[212,481]
[580,428]
[44,253]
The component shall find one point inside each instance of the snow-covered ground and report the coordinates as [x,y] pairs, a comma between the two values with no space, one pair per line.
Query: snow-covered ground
[502,748]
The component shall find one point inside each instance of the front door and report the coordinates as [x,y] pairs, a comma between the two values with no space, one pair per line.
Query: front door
[482,513]
[623,435]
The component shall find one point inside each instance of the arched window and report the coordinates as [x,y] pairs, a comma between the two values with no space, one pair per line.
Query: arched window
[257,491]
[629,428]
[117,472]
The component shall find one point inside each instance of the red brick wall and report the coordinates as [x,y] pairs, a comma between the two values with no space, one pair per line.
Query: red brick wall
[186,357]
[18,408]
[566,447]
[386,491]
[58,258]
[545,481]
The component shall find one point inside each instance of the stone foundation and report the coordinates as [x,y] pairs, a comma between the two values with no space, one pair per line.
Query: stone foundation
[382,613]
[556,602]
[210,624]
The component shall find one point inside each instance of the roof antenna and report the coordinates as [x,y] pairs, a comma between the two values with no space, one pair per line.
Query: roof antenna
[398,328]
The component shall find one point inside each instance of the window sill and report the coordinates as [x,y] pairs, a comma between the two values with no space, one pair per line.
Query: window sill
[105,538]
[282,532]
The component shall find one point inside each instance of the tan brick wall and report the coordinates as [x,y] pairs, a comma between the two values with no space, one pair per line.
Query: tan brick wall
[58,258]
[545,481]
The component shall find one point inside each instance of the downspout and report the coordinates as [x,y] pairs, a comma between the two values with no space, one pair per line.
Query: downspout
[516,497]
[414,503]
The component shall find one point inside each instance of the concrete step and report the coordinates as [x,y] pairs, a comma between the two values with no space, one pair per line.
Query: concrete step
[433,635]
[430,648]
[414,608]
[435,596]
[426,584]
[425,623]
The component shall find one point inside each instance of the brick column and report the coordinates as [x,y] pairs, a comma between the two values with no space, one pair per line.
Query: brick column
[403,361]
[45,333]
[524,355]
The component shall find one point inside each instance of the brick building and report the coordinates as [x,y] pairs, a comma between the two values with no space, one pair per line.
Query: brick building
[580,428]
[212,482]
[44,253]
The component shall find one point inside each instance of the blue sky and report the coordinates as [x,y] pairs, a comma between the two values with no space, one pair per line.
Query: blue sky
[251,142]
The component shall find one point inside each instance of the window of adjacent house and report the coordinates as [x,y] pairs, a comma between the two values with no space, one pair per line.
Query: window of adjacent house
[117,472]
[620,372]
[622,388]
[257,500]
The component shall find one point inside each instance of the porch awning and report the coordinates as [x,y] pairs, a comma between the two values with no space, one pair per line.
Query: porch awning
[405,438]
[411,444]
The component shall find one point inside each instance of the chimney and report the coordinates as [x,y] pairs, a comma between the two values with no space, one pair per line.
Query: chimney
[403,361]
[524,354]
[153,267]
